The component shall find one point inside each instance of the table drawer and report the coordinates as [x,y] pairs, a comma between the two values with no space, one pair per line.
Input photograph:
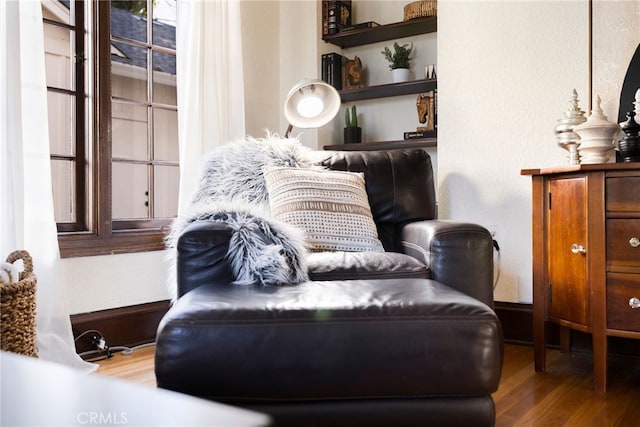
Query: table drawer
[623,242]
[621,290]
[623,194]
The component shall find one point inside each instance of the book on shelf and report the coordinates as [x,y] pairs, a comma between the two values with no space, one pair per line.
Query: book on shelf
[332,65]
[338,15]
[420,134]
[434,107]
[368,24]
[325,17]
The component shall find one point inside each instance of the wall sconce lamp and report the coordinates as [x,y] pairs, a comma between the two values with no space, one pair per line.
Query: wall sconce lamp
[311,103]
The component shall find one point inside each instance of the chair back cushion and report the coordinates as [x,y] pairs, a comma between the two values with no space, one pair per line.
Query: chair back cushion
[399,184]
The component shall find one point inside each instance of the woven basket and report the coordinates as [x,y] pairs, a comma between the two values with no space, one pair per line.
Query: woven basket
[18,309]
[420,9]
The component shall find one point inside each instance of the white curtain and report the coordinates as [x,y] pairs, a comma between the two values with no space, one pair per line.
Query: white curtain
[26,200]
[210,84]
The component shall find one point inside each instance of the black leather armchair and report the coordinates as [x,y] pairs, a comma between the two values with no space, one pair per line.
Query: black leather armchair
[404,337]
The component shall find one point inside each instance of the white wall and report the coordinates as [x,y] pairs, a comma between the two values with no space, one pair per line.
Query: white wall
[261,66]
[299,57]
[280,48]
[506,71]
[109,281]
[616,35]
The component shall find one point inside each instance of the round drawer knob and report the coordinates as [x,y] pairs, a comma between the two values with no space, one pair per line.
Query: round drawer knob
[634,302]
[578,249]
[634,242]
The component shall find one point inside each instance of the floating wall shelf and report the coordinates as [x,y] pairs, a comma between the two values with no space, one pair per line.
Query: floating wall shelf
[386,90]
[384,145]
[393,31]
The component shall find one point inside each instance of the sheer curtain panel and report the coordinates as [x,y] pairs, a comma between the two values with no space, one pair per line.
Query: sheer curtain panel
[26,201]
[210,84]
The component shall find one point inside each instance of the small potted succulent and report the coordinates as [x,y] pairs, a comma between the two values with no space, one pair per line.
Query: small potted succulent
[352,133]
[399,61]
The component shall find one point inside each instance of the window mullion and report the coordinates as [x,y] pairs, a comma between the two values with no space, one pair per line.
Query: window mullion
[103,150]
[80,130]
[150,118]
[151,167]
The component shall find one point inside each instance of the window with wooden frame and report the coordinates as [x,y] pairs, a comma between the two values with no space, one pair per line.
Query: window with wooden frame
[111,78]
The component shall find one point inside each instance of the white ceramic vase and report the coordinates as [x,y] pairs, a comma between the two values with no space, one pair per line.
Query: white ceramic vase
[596,137]
[400,75]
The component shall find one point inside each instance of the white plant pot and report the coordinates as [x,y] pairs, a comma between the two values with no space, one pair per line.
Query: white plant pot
[400,75]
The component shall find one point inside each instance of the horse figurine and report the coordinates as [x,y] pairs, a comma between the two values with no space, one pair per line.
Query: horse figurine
[422,103]
[352,73]
[426,111]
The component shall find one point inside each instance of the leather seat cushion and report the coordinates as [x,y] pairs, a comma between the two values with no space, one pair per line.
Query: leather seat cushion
[364,265]
[329,340]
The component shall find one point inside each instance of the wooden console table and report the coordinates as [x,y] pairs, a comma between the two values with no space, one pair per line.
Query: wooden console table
[586,256]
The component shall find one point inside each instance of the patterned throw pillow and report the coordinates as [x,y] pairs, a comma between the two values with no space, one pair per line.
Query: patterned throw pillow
[332,207]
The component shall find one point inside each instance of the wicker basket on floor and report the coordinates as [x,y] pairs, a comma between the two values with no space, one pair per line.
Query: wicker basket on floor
[18,309]
[420,9]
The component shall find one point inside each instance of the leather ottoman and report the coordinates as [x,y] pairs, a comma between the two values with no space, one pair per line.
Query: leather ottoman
[330,343]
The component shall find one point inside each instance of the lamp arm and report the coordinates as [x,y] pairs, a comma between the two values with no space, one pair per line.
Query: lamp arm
[288,132]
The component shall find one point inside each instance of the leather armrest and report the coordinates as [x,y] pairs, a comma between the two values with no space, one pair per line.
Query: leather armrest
[459,254]
[201,252]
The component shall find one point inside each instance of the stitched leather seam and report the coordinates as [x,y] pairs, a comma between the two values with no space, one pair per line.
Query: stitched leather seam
[489,321]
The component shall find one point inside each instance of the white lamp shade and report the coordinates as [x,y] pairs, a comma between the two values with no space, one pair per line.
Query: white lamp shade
[311,104]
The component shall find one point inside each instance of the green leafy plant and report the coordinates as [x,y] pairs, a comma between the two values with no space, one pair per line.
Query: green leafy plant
[400,57]
[351,117]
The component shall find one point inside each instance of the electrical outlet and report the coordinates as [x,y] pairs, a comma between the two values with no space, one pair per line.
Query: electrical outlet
[99,343]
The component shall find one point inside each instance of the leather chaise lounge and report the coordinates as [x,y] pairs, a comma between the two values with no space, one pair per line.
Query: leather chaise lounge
[395,338]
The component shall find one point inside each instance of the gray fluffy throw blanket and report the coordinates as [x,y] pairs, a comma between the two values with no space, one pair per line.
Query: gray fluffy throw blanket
[232,190]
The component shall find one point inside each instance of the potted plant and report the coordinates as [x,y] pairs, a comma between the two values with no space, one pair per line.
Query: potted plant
[399,61]
[352,133]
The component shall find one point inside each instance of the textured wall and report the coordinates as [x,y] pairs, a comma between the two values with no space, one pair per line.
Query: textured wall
[507,70]
[616,35]
[261,66]
[506,74]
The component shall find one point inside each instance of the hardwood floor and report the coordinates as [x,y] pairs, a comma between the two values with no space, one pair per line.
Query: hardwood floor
[562,396]
[136,367]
